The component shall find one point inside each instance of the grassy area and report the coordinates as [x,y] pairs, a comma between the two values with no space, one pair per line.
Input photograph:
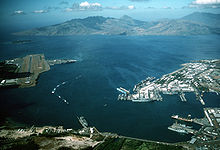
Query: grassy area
[128,144]
[52,140]
[19,144]
[8,71]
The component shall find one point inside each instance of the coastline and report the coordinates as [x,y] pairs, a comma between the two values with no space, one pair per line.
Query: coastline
[85,138]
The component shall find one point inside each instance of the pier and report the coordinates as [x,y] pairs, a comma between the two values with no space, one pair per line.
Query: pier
[182,97]
[60,61]
[182,119]
[182,128]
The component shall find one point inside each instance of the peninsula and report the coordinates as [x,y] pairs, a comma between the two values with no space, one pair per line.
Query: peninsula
[24,72]
[87,138]
[198,77]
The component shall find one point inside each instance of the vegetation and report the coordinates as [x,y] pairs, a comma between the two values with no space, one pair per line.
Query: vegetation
[19,144]
[8,71]
[128,144]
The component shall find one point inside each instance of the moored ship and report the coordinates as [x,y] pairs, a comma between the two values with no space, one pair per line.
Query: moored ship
[181,118]
[83,121]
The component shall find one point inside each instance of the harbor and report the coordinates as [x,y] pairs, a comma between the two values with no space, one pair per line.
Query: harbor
[210,127]
[197,77]
[181,128]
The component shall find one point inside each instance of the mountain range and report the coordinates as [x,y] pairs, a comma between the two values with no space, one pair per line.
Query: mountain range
[193,24]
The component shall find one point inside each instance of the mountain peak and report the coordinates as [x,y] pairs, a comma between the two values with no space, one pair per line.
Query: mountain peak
[189,25]
[126,17]
[205,18]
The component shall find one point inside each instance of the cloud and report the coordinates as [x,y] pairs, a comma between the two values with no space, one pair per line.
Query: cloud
[205,4]
[40,11]
[89,6]
[131,7]
[68,10]
[84,6]
[167,7]
[18,12]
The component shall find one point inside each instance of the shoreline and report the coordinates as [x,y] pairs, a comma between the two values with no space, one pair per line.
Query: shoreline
[97,140]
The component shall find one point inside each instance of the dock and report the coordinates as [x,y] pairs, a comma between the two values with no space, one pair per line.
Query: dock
[182,97]
[201,100]
[123,90]
[60,61]
[83,122]
[181,118]
[182,128]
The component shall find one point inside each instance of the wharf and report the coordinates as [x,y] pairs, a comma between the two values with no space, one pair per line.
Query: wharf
[181,118]
[60,61]
[83,122]
[182,97]
[182,128]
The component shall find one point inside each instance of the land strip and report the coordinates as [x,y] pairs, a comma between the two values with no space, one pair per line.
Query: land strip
[24,72]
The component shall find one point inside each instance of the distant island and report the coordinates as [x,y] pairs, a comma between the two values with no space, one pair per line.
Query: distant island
[24,72]
[193,24]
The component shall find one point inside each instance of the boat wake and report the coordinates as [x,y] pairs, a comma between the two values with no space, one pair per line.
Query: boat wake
[55,89]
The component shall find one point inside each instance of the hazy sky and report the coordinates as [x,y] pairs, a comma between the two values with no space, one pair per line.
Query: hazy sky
[34,13]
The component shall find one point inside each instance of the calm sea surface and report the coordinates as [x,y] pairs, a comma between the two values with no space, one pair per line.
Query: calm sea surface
[105,63]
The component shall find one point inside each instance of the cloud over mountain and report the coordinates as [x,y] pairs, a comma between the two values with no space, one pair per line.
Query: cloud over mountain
[86,6]
[205,4]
